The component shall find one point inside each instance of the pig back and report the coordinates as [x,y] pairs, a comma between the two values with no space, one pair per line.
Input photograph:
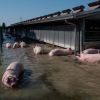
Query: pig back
[16,68]
[91,58]
[91,51]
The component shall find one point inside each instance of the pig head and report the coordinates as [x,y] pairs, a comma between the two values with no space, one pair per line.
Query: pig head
[12,73]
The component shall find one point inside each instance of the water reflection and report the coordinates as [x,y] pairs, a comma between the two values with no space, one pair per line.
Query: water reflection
[24,79]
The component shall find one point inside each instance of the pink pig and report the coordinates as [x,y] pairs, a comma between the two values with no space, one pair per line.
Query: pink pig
[61,52]
[37,50]
[91,58]
[22,44]
[8,45]
[16,45]
[12,73]
[91,51]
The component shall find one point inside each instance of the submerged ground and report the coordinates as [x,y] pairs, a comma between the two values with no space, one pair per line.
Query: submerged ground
[50,78]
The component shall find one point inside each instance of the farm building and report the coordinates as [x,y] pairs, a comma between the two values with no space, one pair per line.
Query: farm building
[76,28]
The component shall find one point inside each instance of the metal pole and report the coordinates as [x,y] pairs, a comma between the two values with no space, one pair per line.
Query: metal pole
[73,24]
[1,41]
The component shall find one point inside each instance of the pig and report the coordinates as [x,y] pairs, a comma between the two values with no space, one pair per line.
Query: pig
[12,73]
[90,58]
[16,45]
[8,45]
[37,50]
[91,51]
[61,52]
[22,44]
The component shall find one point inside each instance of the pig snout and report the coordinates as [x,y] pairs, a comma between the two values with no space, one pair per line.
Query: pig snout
[11,81]
[13,85]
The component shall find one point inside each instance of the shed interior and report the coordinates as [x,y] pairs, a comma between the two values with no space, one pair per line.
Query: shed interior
[92,31]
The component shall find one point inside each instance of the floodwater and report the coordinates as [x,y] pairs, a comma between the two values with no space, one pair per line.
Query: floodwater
[50,78]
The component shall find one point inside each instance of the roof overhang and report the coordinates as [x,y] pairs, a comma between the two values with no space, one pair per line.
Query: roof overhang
[70,16]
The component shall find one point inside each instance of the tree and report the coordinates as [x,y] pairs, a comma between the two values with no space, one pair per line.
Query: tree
[3,27]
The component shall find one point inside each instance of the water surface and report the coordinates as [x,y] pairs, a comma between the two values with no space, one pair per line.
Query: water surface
[50,78]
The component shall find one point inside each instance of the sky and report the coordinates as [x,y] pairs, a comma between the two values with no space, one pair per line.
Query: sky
[12,11]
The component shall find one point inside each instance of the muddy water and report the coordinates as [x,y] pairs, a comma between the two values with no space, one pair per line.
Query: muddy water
[50,78]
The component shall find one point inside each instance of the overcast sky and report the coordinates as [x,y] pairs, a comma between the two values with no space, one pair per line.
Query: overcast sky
[12,11]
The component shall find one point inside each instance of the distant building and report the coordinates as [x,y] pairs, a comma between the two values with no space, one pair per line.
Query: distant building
[76,28]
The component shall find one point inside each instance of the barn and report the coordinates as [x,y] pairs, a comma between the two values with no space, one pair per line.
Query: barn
[75,28]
